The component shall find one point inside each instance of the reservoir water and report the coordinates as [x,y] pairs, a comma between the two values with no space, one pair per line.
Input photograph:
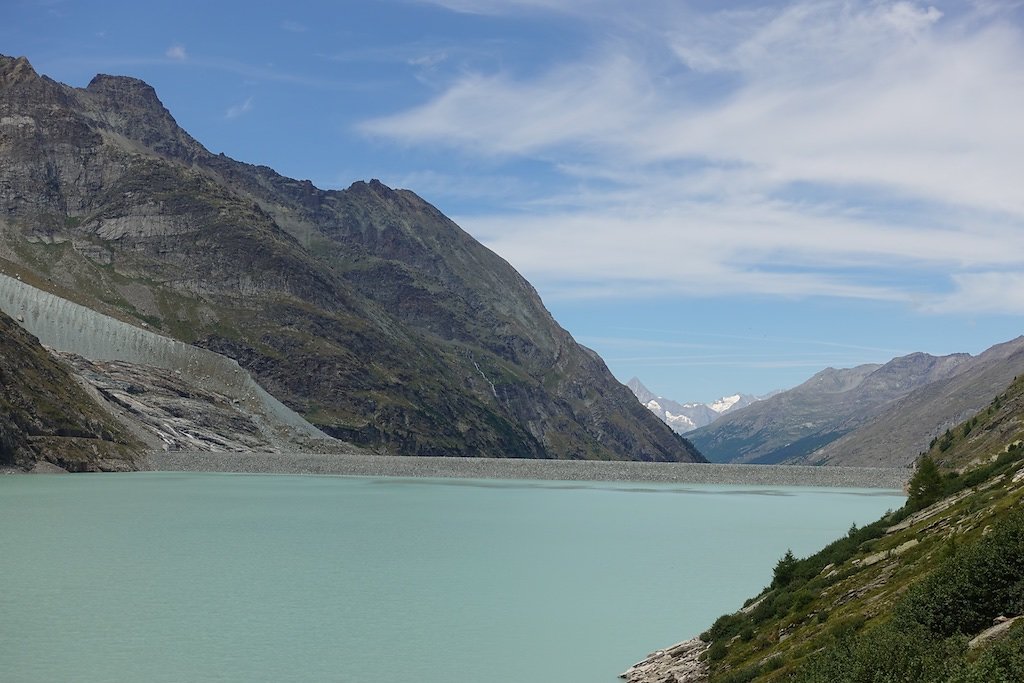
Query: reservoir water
[218,577]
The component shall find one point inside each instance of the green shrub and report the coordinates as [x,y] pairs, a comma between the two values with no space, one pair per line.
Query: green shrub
[925,640]
[726,626]
[972,586]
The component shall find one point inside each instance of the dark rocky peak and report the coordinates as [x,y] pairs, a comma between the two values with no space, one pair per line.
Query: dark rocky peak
[379,194]
[374,187]
[24,89]
[127,93]
[15,70]
[130,107]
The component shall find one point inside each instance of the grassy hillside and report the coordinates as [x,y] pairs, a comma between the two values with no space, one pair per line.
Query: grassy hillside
[905,598]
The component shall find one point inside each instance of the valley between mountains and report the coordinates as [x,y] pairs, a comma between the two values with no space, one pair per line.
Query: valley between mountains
[157,296]
[881,415]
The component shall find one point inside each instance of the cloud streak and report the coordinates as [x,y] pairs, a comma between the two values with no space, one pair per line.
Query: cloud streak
[867,150]
[177,53]
[236,110]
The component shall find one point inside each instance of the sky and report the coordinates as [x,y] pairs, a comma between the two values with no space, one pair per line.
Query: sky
[716,197]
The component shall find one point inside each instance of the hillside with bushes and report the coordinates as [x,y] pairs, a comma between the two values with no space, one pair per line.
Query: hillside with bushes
[931,592]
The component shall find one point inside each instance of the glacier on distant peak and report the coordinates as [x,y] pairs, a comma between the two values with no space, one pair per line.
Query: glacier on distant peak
[685,417]
[725,403]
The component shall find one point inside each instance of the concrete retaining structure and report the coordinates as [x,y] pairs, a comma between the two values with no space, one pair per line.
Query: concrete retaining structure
[66,326]
[509,468]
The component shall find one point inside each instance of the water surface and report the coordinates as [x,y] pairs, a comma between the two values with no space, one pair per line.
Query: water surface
[218,577]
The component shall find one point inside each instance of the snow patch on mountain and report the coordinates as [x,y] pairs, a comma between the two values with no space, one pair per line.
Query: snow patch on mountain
[725,403]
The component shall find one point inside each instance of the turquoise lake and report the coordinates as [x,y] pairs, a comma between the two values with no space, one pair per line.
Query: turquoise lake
[219,577]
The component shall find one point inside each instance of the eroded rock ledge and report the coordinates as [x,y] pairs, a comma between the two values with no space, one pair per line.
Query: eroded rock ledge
[680,663]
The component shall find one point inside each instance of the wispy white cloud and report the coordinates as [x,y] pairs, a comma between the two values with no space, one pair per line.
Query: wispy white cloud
[429,60]
[177,53]
[844,149]
[982,293]
[294,26]
[499,115]
[236,110]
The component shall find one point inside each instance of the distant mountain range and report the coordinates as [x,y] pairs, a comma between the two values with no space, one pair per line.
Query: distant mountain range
[366,310]
[685,417]
[908,424]
[882,415]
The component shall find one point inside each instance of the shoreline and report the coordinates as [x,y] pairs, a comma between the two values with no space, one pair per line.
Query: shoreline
[514,468]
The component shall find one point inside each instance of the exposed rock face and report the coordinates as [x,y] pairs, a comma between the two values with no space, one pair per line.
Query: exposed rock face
[45,416]
[169,410]
[680,663]
[790,425]
[366,309]
[993,633]
[73,329]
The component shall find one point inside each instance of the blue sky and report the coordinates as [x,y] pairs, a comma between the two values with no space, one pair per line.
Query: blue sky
[716,200]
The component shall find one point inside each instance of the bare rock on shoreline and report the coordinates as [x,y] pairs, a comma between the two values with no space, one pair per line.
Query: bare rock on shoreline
[170,411]
[680,663]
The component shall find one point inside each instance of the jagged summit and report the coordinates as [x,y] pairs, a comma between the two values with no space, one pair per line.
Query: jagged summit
[126,92]
[15,70]
[131,107]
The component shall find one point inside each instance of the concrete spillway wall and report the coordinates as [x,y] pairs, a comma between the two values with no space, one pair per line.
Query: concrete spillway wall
[66,326]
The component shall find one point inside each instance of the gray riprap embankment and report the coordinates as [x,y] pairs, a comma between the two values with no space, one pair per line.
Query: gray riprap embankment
[505,468]
[69,327]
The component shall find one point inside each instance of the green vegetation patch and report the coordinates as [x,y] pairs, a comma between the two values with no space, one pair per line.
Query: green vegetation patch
[899,599]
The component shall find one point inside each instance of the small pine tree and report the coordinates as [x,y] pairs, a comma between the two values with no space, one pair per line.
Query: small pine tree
[925,485]
[785,569]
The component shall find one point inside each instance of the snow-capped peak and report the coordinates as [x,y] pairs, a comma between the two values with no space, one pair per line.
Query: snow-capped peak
[685,417]
[723,404]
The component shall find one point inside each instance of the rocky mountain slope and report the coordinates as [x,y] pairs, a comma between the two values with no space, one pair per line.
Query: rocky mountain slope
[792,424]
[901,432]
[685,417]
[46,417]
[366,309]
[933,592]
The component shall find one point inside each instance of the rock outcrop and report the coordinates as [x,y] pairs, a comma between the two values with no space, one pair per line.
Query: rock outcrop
[47,418]
[681,663]
[189,372]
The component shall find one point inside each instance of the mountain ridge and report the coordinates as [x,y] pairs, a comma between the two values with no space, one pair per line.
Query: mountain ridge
[365,309]
[904,430]
[832,403]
